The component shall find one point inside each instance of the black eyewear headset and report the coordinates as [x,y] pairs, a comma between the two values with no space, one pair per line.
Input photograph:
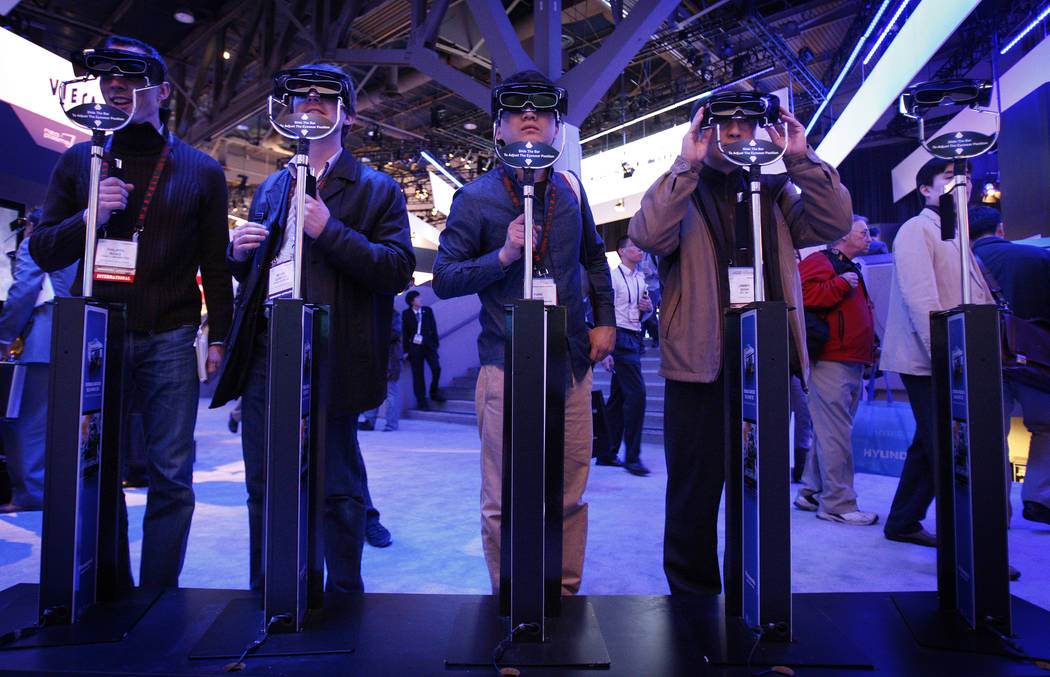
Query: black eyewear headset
[118,62]
[302,82]
[753,106]
[926,95]
[537,96]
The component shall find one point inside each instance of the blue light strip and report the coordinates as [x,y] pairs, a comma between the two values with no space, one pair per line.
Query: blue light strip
[1027,29]
[441,168]
[926,29]
[885,31]
[845,68]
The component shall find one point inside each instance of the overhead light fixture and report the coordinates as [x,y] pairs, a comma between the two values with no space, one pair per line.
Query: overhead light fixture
[226,54]
[928,27]
[1027,29]
[675,105]
[845,68]
[470,126]
[886,30]
[441,168]
[184,16]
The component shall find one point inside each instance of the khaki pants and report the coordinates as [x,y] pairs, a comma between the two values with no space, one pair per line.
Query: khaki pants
[489,402]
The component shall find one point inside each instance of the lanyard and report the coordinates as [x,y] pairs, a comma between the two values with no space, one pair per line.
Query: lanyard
[140,222]
[548,216]
[638,287]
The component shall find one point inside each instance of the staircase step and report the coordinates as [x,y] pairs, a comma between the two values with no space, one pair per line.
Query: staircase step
[454,405]
[442,416]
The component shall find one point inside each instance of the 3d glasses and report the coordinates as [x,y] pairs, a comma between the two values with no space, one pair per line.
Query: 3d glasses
[303,82]
[754,106]
[946,92]
[118,62]
[539,97]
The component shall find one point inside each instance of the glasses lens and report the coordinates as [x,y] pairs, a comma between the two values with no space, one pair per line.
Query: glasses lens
[303,87]
[966,93]
[731,108]
[102,64]
[537,100]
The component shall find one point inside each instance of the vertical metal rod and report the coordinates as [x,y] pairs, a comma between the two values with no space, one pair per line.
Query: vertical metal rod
[756,226]
[301,162]
[528,193]
[91,216]
[963,221]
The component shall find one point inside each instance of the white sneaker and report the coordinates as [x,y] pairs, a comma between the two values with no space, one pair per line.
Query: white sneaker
[856,517]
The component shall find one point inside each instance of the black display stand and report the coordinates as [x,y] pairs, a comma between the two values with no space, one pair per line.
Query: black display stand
[293,604]
[543,629]
[758,524]
[971,484]
[83,595]
[293,544]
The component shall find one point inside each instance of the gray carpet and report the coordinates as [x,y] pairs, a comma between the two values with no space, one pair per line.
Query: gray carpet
[425,481]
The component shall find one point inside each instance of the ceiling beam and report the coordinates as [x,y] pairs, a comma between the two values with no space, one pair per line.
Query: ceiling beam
[508,55]
[590,80]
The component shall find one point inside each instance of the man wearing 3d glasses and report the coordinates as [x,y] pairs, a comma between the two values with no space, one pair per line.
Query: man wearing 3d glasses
[481,253]
[696,219]
[165,203]
[357,254]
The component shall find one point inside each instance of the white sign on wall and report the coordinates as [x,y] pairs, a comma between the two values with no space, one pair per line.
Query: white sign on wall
[30,82]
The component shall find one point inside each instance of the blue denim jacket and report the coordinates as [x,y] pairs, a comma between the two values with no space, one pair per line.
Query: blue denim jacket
[468,262]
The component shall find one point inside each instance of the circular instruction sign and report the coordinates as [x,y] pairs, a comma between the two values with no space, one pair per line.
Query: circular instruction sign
[527,154]
[752,152]
[97,116]
[304,125]
[960,144]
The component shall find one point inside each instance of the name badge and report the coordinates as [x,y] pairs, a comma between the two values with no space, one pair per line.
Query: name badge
[115,260]
[281,280]
[741,285]
[417,339]
[543,289]
[634,315]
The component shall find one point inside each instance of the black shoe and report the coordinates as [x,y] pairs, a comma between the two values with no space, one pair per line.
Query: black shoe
[1015,573]
[232,424]
[1036,512]
[607,461]
[366,425]
[377,535]
[920,537]
[423,405]
[636,468]
[436,395]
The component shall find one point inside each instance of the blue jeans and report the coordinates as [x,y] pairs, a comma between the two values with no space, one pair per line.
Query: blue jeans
[160,376]
[24,439]
[393,405]
[344,519]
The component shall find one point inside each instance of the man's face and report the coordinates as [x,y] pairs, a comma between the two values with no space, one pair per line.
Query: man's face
[857,241]
[417,303]
[631,253]
[941,182]
[119,91]
[527,125]
[729,132]
[327,106]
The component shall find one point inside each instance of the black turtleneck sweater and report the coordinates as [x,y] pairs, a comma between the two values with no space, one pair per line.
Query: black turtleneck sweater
[185,229]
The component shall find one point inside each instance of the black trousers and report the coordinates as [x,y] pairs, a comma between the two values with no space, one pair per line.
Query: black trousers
[625,410]
[915,489]
[417,355]
[695,446]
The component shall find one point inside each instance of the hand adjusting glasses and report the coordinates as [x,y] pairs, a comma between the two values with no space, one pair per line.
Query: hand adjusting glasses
[754,106]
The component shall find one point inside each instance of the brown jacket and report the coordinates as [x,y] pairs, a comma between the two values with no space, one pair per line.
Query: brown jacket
[668,223]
